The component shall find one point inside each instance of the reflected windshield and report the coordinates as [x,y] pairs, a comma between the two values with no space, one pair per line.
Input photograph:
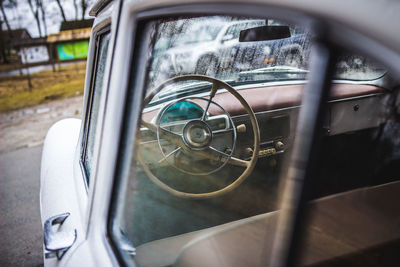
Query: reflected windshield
[210,46]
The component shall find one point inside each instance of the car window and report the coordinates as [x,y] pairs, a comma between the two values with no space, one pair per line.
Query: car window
[102,42]
[204,159]
[214,143]
[353,212]
[243,61]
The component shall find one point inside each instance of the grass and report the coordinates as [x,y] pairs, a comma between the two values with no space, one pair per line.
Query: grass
[46,86]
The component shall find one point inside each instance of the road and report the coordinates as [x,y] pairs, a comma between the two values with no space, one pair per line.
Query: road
[20,226]
[28,127]
[21,138]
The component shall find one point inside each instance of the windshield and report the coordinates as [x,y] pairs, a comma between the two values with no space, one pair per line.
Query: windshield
[206,151]
[186,51]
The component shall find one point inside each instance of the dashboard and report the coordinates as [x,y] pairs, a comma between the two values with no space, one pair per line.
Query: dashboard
[276,112]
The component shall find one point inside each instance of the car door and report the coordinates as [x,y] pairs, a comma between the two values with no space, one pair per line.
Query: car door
[69,157]
[170,227]
[107,240]
[126,169]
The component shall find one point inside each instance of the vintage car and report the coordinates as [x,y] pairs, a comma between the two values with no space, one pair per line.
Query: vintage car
[268,166]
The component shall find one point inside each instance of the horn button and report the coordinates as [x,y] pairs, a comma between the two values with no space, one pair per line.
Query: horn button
[197,134]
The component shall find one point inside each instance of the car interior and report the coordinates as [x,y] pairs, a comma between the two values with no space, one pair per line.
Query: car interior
[205,181]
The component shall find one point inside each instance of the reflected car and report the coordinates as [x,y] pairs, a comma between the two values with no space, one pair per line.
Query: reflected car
[275,165]
[292,52]
[201,44]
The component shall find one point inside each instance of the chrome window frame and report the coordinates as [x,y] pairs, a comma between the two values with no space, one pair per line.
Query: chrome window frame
[103,29]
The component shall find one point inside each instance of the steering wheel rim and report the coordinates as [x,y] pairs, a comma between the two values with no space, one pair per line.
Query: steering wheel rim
[249,165]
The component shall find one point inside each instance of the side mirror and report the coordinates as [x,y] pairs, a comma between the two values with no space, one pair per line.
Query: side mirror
[264,33]
[226,37]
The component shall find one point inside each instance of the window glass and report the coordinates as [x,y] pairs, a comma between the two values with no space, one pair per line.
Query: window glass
[201,166]
[97,90]
[193,46]
[354,215]
[216,132]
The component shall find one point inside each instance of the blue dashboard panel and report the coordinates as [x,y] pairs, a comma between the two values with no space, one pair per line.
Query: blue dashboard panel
[182,110]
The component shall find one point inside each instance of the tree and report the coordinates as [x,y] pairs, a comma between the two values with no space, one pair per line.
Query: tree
[3,4]
[3,46]
[61,10]
[43,17]
[84,5]
[35,11]
[76,9]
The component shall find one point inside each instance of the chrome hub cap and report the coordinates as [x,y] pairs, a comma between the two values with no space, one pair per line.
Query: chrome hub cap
[197,134]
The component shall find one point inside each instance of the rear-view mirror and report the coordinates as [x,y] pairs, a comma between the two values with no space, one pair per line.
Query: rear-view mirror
[227,37]
[264,33]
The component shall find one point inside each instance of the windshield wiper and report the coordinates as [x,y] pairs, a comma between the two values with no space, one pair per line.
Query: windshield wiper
[277,73]
[276,69]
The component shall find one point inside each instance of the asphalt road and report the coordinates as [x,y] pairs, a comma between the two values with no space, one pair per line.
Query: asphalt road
[21,137]
[20,227]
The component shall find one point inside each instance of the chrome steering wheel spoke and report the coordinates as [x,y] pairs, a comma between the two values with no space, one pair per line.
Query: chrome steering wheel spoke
[214,90]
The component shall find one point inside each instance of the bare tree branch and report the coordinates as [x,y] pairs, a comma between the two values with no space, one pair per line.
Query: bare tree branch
[84,6]
[5,19]
[76,9]
[61,10]
[35,12]
[41,8]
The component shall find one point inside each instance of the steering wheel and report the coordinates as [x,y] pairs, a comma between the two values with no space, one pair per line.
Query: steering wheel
[197,135]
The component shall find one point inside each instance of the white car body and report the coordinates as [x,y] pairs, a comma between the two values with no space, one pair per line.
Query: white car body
[185,57]
[63,186]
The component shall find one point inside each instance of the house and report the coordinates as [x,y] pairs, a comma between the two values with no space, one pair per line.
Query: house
[8,44]
[72,42]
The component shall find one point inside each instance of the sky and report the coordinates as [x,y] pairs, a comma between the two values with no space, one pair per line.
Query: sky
[22,17]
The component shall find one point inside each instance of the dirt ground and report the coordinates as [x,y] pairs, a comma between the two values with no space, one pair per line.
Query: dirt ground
[28,127]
